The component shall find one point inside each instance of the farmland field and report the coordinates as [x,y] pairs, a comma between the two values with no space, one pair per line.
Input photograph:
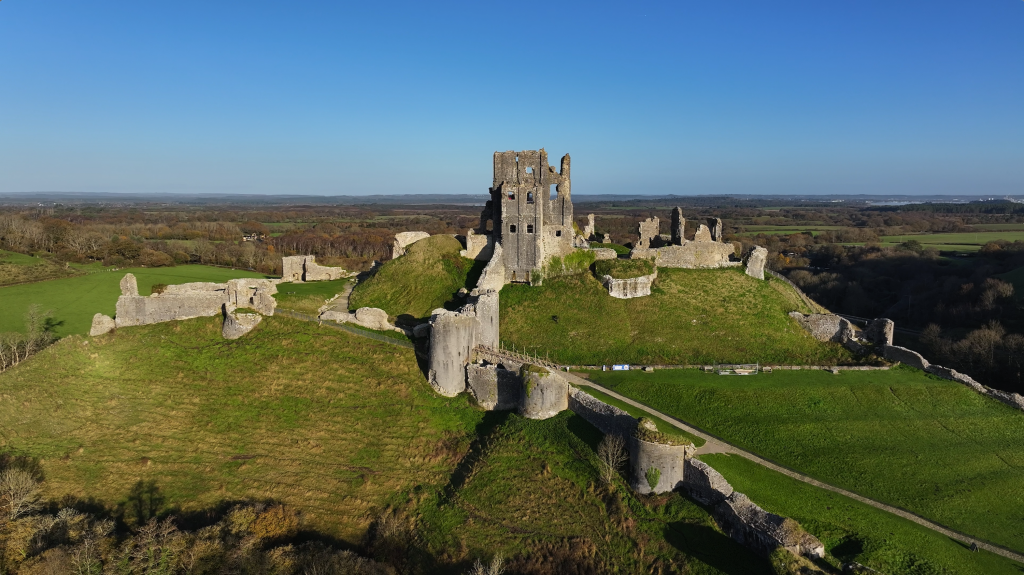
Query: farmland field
[965,241]
[691,317]
[899,436]
[75,300]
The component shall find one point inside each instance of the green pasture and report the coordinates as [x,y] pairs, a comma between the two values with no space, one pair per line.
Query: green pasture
[691,317]
[424,279]
[203,422]
[15,258]
[1008,227]
[308,297]
[663,426]
[900,436]
[75,300]
[853,531]
[956,241]
[788,230]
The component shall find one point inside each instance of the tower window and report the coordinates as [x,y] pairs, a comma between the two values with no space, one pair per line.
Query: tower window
[512,229]
[558,233]
[554,192]
[529,228]
[511,195]
[529,197]
[529,169]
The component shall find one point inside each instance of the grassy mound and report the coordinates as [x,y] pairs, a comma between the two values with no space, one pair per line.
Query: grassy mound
[75,300]
[419,282]
[691,317]
[624,269]
[619,249]
[174,419]
[900,436]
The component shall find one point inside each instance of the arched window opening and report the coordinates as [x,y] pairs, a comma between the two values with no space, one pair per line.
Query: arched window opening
[529,197]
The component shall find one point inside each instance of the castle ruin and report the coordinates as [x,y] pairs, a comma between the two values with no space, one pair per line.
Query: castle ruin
[530,212]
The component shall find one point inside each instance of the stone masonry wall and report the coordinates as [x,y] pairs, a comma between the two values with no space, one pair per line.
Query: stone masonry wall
[629,288]
[495,388]
[607,418]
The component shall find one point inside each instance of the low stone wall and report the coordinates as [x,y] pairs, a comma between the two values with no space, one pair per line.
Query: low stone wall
[629,288]
[140,310]
[305,268]
[689,255]
[604,254]
[879,331]
[905,356]
[762,531]
[607,418]
[703,484]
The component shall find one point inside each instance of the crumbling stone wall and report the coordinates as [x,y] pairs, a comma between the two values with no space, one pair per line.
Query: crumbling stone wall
[494,387]
[479,247]
[604,254]
[133,309]
[368,317]
[716,229]
[305,268]
[668,459]
[762,531]
[649,230]
[607,418]
[879,331]
[404,240]
[544,393]
[905,356]
[588,230]
[690,255]
[630,287]
[678,226]
[493,277]
[101,324]
[826,326]
[703,234]
[237,324]
[756,260]
[257,294]
[704,484]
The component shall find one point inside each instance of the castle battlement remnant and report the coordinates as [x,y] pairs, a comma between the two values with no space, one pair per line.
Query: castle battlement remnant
[530,212]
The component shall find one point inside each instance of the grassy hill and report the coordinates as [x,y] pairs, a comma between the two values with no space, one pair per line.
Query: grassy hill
[308,297]
[75,300]
[901,436]
[175,416]
[424,279]
[691,317]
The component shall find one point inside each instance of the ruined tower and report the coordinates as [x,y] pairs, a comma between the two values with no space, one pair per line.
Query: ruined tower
[531,211]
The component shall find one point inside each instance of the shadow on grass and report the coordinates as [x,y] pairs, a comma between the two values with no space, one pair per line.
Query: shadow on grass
[491,421]
[715,549]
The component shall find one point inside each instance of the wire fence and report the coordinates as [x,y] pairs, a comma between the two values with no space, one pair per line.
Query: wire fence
[346,328]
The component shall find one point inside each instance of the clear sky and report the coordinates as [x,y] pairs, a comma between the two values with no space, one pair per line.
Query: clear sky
[685,97]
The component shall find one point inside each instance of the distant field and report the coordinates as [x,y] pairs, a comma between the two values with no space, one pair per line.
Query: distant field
[75,300]
[900,436]
[853,531]
[15,258]
[341,428]
[999,227]
[691,317]
[957,241]
[787,230]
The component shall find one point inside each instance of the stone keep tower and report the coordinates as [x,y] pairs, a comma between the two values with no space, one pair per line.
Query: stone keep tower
[531,209]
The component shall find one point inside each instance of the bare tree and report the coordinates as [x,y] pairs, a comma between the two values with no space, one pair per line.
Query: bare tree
[19,492]
[612,455]
[497,566]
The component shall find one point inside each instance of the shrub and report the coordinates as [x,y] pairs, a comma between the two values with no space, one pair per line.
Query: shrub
[158,288]
[653,476]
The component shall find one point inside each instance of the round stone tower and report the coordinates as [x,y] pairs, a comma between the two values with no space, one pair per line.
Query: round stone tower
[544,393]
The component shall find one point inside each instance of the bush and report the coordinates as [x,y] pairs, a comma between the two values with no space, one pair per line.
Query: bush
[624,269]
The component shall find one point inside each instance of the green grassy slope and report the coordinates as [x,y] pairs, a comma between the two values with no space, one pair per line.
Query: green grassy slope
[75,300]
[900,436]
[853,531]
[691,317]
[422,280]
[308,297]
[176,409]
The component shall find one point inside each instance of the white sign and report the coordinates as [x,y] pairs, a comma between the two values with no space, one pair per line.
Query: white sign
[621,367]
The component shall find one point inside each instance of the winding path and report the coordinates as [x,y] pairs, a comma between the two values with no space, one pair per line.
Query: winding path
[714,444]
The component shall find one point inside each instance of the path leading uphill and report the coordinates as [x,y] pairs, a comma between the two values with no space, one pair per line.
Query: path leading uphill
[715,444]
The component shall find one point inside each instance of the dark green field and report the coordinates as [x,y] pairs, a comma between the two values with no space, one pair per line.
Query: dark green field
[903,437]
[853,531]
[691,317]
[424,279]
[308,297]
[197,421]
[75,300]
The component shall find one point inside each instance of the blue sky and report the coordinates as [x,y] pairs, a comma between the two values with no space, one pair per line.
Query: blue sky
[685,97]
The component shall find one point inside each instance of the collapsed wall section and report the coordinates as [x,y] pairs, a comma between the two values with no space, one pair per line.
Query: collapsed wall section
[305,268]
